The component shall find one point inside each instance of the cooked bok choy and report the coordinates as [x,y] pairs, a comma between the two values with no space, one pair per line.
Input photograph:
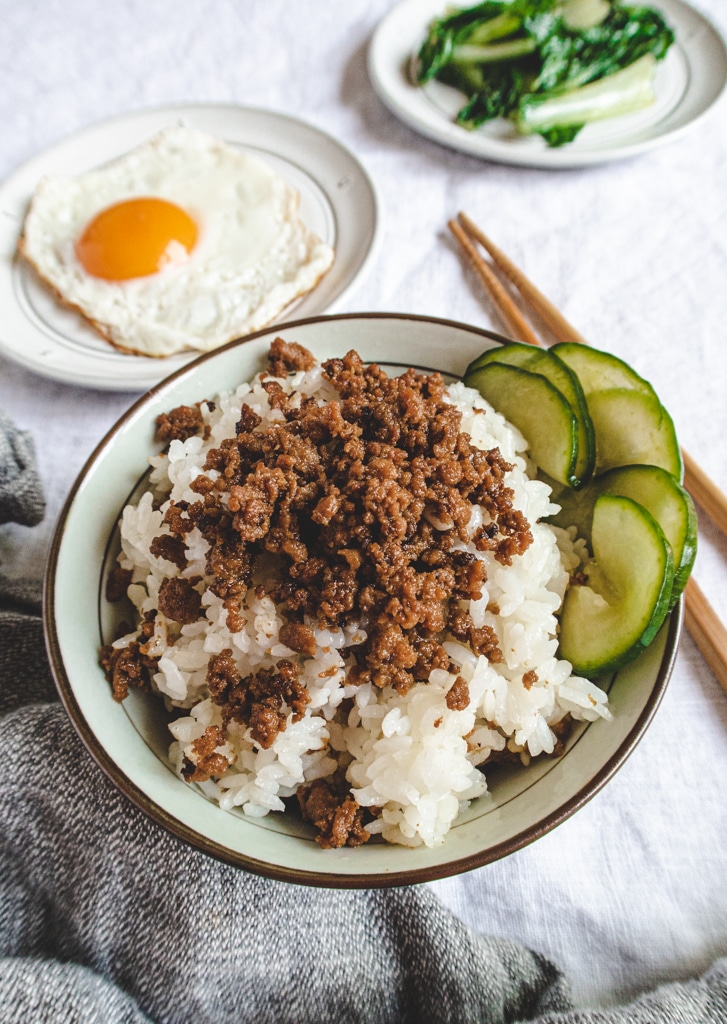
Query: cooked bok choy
[551,66]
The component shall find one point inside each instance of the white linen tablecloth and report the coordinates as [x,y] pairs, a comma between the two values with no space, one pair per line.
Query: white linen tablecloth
[632,890]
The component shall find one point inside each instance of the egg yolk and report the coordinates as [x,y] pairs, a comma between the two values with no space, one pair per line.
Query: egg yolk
[135,238]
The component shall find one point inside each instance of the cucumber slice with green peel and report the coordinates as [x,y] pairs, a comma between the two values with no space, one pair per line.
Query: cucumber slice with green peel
[633,428]
[538,410]
[599,371]
[610,620]
[655,490]
[543,361]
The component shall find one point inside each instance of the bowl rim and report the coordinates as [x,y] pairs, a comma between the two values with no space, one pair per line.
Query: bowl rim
[198,840]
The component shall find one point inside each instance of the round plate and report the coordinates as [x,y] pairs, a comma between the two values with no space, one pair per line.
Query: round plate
[689,81]
[130,740]
[337,201]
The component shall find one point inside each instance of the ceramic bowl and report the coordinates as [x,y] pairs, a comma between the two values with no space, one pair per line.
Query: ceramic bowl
[130,740]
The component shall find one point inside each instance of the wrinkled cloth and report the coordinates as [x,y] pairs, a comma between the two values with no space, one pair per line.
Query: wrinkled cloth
[105,917]
[21,496]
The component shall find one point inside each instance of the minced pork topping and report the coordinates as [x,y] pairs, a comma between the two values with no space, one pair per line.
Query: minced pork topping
[362,500]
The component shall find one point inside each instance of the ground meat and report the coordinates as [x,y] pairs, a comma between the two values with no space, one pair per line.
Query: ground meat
[338,817]
[202,485]
[483,639]
[179,424]
[287,357]
[430,655]
[230,565]
[346,494]
[262,700]
[458,695]
[177,520]
[173,549]
[178,600]
[277,398]
[529,678]
[117,584]
[222,674]
[126,667]
[561,731]
[208,763]
[248,420]
[470,574]
[298,637]
[235,620]
[502,757]
[132,665]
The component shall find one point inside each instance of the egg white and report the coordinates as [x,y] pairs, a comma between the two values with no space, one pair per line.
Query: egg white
[253,256]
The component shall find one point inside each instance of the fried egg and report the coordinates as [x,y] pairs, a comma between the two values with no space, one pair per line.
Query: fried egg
[183,243]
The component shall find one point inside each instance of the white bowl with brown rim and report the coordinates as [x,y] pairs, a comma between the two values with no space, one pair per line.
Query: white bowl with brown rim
[130,740]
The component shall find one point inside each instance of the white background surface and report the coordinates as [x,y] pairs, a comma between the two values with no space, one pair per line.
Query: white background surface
[631,891]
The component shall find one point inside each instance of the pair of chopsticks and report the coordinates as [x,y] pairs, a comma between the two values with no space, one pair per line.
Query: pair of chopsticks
[701,620]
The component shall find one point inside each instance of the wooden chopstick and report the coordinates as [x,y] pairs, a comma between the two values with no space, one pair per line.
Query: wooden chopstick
[707,631]
[705,492]
[558,324]
[504,303]
[701,620]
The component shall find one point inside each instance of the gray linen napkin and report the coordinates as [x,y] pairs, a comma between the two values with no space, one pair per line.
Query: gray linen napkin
[21,496]
[104,917]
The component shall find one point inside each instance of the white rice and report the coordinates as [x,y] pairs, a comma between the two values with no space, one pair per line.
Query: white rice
[409,755]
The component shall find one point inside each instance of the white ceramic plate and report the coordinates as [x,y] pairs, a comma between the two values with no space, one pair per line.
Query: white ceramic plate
[130,740]
[689,81]
[337,201]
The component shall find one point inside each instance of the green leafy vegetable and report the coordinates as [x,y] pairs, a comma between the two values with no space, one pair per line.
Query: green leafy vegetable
[567,110]
[552,66]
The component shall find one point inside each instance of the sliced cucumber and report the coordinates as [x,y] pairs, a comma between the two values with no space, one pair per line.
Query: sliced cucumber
[638,519]
[629,430]
[633,428]
[658,492]
[597,370]
[543,361]
[538,410]
[609,621]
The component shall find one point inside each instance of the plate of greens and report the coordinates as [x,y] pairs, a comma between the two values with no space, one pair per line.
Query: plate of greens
[548,83]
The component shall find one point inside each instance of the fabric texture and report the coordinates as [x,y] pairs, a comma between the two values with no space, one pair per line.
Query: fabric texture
[106,917]
[21,496]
